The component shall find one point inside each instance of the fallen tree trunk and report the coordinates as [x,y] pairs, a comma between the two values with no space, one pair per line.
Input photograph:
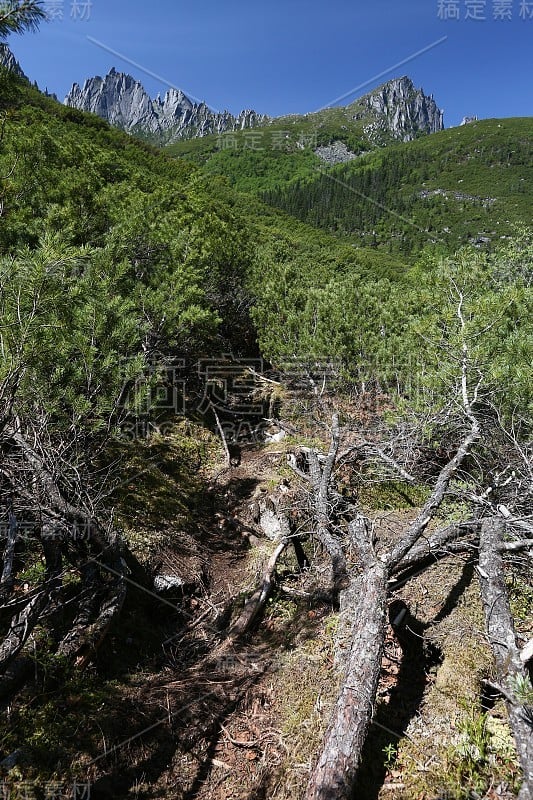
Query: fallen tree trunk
[365,599]
[334,775]
[320,479]
[502,639]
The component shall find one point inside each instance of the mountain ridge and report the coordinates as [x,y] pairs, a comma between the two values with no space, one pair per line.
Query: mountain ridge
[395,109]
[123,101]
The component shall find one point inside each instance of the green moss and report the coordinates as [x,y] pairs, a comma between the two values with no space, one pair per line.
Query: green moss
[392,495]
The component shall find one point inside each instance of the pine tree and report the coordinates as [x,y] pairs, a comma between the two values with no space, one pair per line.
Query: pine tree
[18,16]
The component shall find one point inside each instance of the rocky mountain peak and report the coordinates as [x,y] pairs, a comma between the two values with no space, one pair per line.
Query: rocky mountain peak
[8,61]
[403,110]
[123,101]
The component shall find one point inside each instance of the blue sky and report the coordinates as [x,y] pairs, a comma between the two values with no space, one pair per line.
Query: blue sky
[293,56]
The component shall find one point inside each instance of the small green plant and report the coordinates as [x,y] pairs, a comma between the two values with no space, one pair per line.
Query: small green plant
[479,759]
[281,610]
[33,574]
[474,740]
[467,760]
[331,626]
[522,689]
[390,751]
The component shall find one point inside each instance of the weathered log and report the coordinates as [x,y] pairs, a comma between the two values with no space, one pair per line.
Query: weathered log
[365,600]
[502,639]
[256,602]
[335,773]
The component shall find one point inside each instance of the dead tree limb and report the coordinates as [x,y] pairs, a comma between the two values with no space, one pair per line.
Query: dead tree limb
[524,544]
[6,581]
[457,538]
[502,639]
[374,448]
[227,454]
[96,633]
[320,477]
[20,628]
[334,775]
[417,528]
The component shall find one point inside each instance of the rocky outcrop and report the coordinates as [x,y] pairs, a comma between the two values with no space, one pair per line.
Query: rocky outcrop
[123,102]
[401,110]
[335,153]
[8,61]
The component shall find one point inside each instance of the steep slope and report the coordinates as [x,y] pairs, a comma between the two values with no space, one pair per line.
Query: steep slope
[466,184]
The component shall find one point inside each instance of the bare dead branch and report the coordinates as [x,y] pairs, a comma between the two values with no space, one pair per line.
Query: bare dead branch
[6,581]
[417,528]
[457,538]
[21,627]
[320,477]
[223,437]
[521,544]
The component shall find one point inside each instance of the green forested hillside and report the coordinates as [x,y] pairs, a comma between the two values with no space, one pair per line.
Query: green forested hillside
[193,262]
[447,189]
